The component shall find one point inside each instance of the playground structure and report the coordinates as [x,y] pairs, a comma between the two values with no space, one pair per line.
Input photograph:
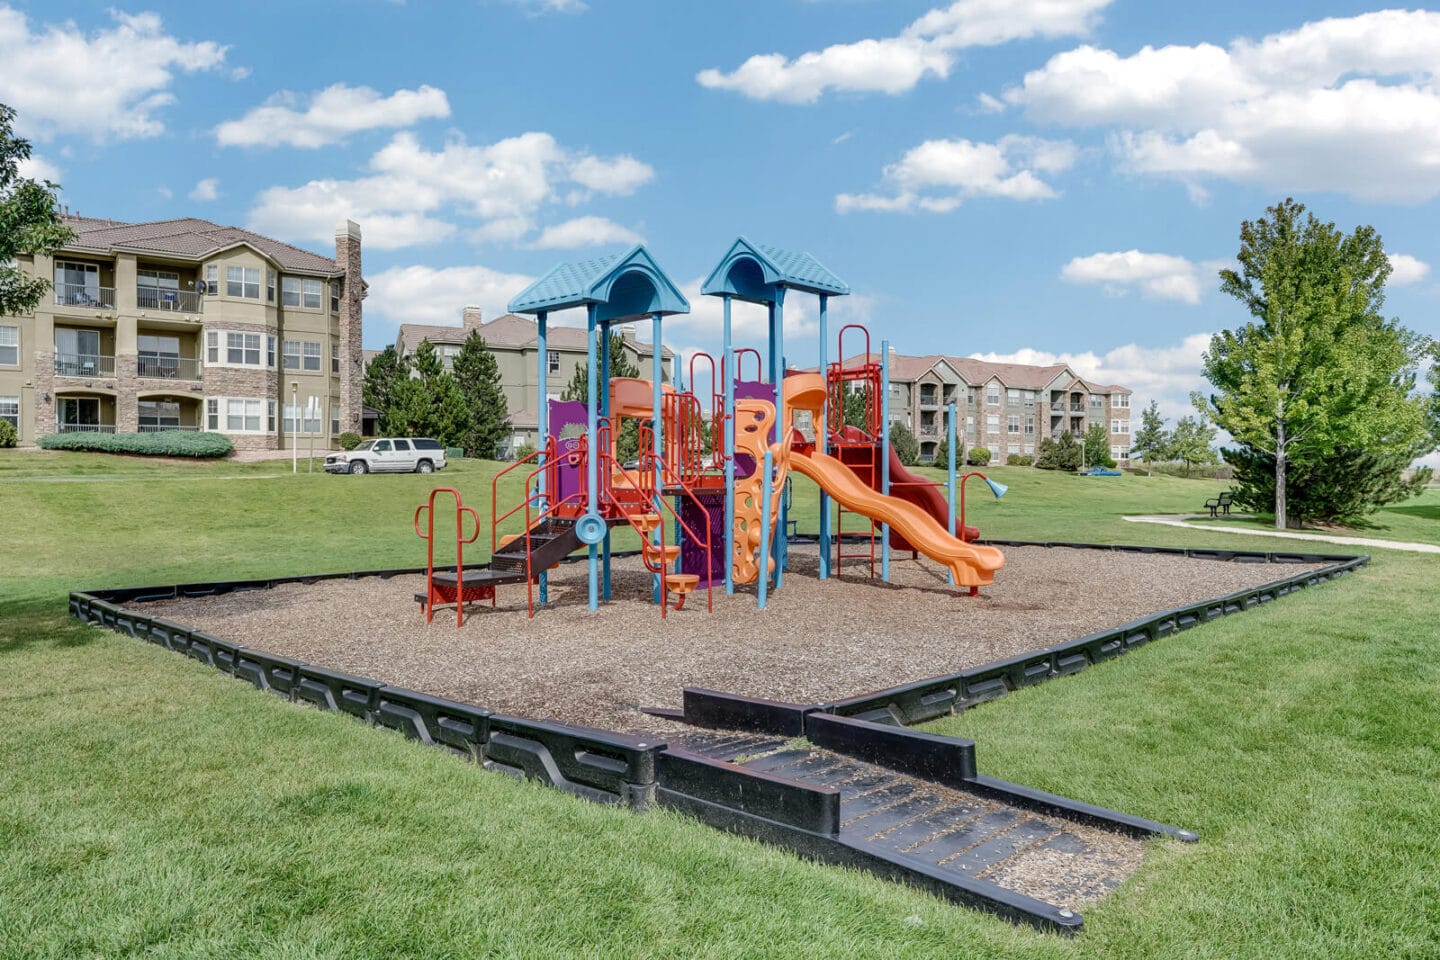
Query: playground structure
[708,494]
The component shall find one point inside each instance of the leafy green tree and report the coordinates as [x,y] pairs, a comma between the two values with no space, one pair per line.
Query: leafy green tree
[1151,442]
[382,373]
[29,222]
[857,406]
[1097,446]
[1062,452]
[477,373]
[906,447]
[1318,370]
[1191,442]
[429,404]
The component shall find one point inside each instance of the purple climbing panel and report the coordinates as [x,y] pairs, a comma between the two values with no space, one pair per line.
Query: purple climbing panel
[708,514]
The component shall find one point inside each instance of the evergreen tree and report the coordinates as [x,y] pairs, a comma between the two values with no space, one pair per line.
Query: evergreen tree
[1340,489]
[1318,370]
[29,223]
[1097,446]
[857,405]
[1151,442]
[1061,452]
[477,373]
[942,455]
[429,404]
[903,442]
[1190,443]
[385,370]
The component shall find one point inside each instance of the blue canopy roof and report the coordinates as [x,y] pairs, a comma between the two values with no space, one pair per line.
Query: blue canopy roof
[622,288]
[755,271]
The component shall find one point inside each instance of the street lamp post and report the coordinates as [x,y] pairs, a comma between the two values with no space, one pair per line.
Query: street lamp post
[295,428]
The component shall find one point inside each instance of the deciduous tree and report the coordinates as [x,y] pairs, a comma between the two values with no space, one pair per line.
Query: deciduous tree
[29,222]
[1151,442]
[1191,442]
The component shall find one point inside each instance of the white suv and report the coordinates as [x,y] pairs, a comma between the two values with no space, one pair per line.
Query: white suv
[390,455]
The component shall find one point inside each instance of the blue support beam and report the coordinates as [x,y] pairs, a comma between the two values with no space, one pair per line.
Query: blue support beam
[822,442]
[592,430]
[657,374]
[727,368]
[950,438]
[614,436]
[542,417]
[885,454]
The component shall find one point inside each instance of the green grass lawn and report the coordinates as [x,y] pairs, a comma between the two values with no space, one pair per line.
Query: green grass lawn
[152,807]
[1415,521]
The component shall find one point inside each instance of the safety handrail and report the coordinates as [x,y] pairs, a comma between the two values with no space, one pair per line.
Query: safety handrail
[657,465]
[495,517]
[428,508]
[740,365]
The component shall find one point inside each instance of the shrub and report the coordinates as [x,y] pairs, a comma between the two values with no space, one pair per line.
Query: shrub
[7,434]
[1061,454]
[979,456]
[942,455]
[348,440]
[903,442]
[1019,460]
[169,443]
[524,450]
[1198,471]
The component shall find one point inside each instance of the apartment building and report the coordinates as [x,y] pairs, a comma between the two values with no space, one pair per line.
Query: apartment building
[1005,407]
[188,325]
[515,342]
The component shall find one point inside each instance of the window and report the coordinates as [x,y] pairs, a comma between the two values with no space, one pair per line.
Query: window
[992,395]
[1097,401]
[1012,397]
[1119,452]
[334,417]
[290,291]
[80,413]
[1029,398]
[1120,426]
[9,346]
[76,283]
[242,282]
[335,296]
[290,358]
[212,346]
[1121,400]
[1030,426]
[270,416]
[402,446]
[242,416]
[270,352]
[269,286]
[992,423]
[212,413]
[10,410]
[381,446]
[552,360]
[309,417]
[1013,426]
[157,290]
[969,424]
[159,415]
[335,357]
[312,355]
[158,356]
[311,290]
[242,349]
[1013,448]
[212,279]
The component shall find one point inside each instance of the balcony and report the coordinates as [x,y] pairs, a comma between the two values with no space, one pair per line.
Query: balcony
[1077,408]
[929,400]
[84,365]
[164,427]
[1057,407]
[86,428]
[158,366]
[85,296]
[178,301]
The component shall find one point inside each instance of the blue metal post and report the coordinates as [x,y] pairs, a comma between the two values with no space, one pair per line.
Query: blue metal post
[782,430]
[885,454]
[657,373]
[728,369]
[592,430]
[614,435]
[542,418]
[763,554]
[950,475]
[822,443]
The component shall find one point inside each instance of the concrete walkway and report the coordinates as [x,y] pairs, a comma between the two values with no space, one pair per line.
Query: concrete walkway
[1181,520]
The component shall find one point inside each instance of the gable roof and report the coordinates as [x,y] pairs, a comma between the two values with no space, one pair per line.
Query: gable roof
[190,238]
[778,268]
[512,331]
[606,282]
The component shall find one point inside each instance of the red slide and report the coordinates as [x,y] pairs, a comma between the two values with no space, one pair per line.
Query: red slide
[925,494]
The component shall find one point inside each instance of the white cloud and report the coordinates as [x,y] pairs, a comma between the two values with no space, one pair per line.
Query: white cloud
[436,295]
[38,168]
[240,73]
[413,194]
[538,8]
[894,65]
[1165,374]
[939,175]
[1158,275]
[331,115]
[111,84]
[585,232]
[1350,105]
[1405,269]
[206,190]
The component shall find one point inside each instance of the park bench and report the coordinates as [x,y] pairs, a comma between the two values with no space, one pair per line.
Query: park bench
[1220,504]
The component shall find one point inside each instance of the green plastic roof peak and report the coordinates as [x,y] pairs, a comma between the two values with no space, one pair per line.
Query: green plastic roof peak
[621,287]
[755,271]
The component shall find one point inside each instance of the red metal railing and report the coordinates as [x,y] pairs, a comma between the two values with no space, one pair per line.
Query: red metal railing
[837,380]
[428,508]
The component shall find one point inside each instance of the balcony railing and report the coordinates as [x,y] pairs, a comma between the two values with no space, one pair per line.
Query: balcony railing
[180,301]
[1077,408]
[87,428]
[164,427]
[84,365]
[160,367]
[83,295]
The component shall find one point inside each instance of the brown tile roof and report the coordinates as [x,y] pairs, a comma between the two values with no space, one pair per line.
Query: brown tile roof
[1019,376]
[190,239]
[513,331]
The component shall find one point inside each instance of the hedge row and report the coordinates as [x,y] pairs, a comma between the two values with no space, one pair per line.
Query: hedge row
[168,443]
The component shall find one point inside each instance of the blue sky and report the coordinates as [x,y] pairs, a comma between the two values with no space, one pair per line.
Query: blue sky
[1021,179]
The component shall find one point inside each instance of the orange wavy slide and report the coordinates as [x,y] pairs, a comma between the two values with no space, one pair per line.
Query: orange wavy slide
[973,565]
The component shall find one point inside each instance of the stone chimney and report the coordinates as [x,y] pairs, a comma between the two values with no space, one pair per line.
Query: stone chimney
[630,332]
[471,318]
[352,291]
